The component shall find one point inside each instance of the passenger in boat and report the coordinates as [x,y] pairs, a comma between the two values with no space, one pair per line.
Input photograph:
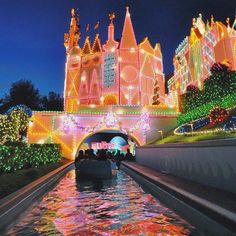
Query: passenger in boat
[102,155]
[122,156]
[86,154]
[98,154]
[110,155]
[79,157]
[92,155]
[129,156]
[118,159]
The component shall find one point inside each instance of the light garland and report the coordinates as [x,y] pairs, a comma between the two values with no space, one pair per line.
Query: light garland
[110,120]
[214,131]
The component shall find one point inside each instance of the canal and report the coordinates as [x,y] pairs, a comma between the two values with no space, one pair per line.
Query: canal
[109,207]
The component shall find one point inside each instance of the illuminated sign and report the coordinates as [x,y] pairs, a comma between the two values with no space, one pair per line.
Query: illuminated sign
[102,145]
[109,70]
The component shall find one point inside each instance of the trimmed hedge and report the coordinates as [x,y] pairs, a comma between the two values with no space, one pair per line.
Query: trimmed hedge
[16,156]
[226,102]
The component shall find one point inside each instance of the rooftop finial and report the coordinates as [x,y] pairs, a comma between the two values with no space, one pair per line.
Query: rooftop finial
[77,15]
[127,11]
[112,16]
[207,25]
[212,20]
[228,22]
[73,12]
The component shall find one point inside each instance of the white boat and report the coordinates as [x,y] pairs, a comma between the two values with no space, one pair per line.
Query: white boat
[94,169]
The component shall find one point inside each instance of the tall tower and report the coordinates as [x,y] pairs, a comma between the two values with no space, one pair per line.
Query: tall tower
[129,65]
[72,66]
[110,82]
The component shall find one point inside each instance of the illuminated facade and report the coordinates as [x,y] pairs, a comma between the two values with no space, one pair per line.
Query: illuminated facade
[71,129]
[107,87]
[208,43]
[115,73]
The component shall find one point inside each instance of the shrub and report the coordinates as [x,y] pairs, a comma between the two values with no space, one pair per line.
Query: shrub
[203,110]
[19,156]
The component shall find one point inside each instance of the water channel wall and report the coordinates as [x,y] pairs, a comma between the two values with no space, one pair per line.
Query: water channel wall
[212,163]
[13,205]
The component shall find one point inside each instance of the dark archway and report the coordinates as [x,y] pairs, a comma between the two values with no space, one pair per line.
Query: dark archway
[109,139]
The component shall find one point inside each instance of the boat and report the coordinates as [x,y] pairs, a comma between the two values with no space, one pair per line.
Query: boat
[95,169]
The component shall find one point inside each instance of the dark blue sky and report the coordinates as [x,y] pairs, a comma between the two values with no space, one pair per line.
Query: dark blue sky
[31,32]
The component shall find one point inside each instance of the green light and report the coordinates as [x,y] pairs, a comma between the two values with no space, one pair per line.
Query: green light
[16,156]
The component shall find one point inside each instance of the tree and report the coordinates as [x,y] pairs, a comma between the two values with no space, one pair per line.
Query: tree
[192,89]
[52,102]
[191,98]
[22,92]
[14,123]
[219,85]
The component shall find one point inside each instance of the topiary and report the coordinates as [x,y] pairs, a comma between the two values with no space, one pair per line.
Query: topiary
[218,115]
[192,89]
[219,67]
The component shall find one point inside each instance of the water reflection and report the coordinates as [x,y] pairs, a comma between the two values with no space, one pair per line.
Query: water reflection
[111,207]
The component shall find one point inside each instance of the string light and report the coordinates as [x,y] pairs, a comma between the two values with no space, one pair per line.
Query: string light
[197,53]
[110,120]
[126,62]
[219,91]
[13,123]
[18,156]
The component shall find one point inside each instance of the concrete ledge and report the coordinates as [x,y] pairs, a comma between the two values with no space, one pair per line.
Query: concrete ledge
[16,203]
[211,163]
[208,216]
[204,143]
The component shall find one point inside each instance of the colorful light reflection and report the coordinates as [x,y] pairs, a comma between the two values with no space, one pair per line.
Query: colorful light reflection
[113,207]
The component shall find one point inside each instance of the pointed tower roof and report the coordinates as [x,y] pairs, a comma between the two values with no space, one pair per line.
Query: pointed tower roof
[157,50]
[97,44]
[194,35]
[128,39]
[86,47]
[221,29]
[72,37]
[111,44]
[146,46]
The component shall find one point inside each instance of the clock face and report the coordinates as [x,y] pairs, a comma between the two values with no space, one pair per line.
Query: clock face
[129,74]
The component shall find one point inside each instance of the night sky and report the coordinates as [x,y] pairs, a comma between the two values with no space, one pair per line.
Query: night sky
[31,32]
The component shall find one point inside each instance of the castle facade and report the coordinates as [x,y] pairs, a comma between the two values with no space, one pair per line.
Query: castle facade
[113,73]
[209,42]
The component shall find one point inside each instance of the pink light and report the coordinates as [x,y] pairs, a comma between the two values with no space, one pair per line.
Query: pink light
[102,145]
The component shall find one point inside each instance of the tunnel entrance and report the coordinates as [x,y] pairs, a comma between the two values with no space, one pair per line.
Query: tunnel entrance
[112,140]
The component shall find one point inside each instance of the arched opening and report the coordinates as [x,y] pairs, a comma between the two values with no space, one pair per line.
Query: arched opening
[112,140]
[110,100]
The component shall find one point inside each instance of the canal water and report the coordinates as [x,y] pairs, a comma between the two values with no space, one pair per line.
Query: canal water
[111,207]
